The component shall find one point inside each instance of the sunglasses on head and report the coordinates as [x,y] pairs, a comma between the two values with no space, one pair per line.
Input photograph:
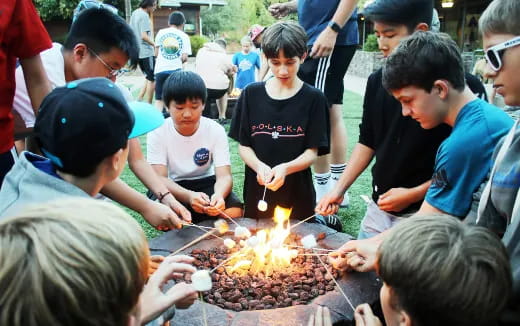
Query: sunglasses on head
[494,53]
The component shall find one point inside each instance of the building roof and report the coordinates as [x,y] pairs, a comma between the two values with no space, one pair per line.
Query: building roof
[178,3]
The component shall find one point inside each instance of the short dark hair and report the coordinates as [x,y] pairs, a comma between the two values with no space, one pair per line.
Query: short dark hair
[421,59]
[401,12]
[183,85]
[176,18]
[286,36]
[443,272]
[146,3]
[101,30]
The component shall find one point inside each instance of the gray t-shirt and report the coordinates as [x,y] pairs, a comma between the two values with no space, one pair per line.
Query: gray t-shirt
[140,22]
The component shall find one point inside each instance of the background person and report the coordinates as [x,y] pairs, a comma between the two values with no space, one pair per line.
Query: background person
[142,26]
[172,48]
[215,67]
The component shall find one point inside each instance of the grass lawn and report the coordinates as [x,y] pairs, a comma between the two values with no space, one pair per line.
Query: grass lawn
[351,217]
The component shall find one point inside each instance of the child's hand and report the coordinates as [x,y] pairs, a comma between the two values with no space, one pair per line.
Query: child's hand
[329,203]
[396,199]
[359,255]
[155,261]
[264,174]
[365,317]
[155,301]
[216,205]
[177,207]
[184,293]
[279,172]
[161,216]
[199,201]
[322,317]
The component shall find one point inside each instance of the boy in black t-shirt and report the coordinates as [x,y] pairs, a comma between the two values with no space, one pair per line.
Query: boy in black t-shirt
[282,125]
[404,152]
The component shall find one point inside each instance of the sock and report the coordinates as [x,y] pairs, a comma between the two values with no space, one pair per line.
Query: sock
[321,183]
[336,171]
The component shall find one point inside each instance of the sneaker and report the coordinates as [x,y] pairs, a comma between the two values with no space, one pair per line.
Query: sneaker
[332,221]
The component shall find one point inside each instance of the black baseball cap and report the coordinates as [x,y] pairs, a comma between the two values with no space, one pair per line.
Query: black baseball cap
[87,120]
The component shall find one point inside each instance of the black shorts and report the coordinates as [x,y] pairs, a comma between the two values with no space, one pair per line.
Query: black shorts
[206,185]
[327,73]
[213,94]
[160,78]
[147,65]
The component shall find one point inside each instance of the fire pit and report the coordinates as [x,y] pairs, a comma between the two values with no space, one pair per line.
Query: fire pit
[279,296]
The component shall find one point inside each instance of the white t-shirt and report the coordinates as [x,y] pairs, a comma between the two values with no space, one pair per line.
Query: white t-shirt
[172,43]
[189,157]
[54,66]
[211,64]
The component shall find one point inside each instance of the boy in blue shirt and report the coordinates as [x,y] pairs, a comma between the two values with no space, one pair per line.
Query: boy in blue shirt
[246,61]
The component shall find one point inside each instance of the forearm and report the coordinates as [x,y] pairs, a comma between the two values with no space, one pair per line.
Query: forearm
[180,193]
[418,193]
[249,157]
[36,81]
[302,162]
[147,39]
[344,11]
[358,162]
[122,193]
[223,186]
[292,6]
[148,177]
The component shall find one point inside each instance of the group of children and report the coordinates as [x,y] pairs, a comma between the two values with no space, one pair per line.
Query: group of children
[436,270]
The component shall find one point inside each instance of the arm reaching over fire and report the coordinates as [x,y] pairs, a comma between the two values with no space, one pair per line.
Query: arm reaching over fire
[321,318]
[365,317]
[181,295]
[358,255]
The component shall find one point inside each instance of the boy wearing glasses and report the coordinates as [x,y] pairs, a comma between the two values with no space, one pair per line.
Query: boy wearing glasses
[99,44]
[499,204]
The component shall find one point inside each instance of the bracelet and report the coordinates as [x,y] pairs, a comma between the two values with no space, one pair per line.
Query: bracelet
[161,195]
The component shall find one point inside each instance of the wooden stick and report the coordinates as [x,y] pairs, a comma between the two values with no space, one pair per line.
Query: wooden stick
[228,217]
[200,227]
[322,249]
[304,220]
[337,284]
[202,237]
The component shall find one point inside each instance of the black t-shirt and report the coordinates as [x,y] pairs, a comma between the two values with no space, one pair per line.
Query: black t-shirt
[279,131]
[404,152]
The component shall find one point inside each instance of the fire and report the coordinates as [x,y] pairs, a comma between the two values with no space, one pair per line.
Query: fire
[269,254]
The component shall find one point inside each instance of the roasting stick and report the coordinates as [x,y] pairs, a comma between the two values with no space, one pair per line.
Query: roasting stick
[205,227]
[204,317]
[202,237]
[228,217]
[336,282]
[315,254]
[225,261]
[304,220]
[322,249]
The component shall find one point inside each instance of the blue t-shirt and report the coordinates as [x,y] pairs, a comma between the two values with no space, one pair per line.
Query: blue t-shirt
[464,158]
[246,64]
[314,15]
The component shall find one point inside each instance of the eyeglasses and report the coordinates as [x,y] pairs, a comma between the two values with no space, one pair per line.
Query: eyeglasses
[113,72]
[494,53]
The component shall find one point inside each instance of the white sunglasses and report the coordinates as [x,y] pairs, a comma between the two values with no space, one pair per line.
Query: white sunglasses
[494,53]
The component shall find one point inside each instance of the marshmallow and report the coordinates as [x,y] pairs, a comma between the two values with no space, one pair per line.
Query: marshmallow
[229,243]
[262,205]
[242,232]
[252,242]
[201,280]
[221,226]
[309,241]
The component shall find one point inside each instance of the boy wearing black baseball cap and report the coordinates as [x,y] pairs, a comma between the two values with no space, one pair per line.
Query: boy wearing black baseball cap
[83,130]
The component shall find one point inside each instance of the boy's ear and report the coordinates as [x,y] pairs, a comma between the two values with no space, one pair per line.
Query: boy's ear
[422,27]
[405,319]
[441,87]
[304,56]
[115,159]
[79,52]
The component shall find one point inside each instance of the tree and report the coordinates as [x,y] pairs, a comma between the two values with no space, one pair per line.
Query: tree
[63,9]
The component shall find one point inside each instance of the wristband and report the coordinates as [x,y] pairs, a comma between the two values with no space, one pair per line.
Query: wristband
[334,26]
[161,195]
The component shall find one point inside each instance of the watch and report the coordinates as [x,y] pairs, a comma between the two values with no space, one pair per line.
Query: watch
[334,26]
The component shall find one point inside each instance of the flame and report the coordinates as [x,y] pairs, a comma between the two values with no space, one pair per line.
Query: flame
[270,254]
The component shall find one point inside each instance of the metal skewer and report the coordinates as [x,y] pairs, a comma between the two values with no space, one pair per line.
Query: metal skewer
[304,220]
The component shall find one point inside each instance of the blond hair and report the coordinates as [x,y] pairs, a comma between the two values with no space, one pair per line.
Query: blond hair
[500,17]
[73,262]
[443,272]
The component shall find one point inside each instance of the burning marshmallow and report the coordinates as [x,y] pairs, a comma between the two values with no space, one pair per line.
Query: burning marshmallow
[252,242]
[229,243]
[221,226]
[201,280]
[242,232]
[262,205]
[309,241]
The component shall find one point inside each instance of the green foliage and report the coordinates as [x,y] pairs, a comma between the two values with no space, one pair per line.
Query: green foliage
[55,9]
[371,44]
[197,42]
